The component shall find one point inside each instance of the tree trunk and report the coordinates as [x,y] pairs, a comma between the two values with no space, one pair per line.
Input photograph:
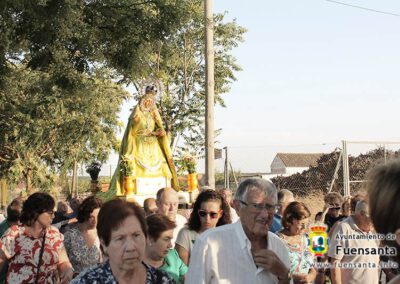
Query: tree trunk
[28,180]
[74,191]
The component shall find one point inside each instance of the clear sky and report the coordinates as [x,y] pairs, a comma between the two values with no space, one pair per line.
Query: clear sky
[314,73]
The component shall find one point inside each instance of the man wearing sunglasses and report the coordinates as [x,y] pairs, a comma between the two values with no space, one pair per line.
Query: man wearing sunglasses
[245,251]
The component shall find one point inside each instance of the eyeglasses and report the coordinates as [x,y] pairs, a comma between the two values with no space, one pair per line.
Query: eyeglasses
[204,213]
[260,206]
[50,212]
[335,208]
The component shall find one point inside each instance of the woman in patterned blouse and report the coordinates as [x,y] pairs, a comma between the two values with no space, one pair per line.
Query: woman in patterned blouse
[122,232]
[81,240]
[295,221]
[35,250]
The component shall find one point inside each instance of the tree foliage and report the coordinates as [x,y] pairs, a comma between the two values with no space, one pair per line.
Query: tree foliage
[179,62]
[45,128]
[60,61]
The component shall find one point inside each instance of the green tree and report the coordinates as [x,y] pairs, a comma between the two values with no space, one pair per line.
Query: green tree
[59,61]
[43,128]
[179,63]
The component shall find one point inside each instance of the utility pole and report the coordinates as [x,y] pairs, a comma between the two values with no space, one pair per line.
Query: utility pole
[209,56]
[346,171]
[226,169]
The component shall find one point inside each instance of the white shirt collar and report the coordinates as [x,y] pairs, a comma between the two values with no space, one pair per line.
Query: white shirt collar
[243,239]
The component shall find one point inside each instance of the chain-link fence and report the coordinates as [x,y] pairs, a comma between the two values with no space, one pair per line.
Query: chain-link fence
[342,168]
[360,157]
[344,171]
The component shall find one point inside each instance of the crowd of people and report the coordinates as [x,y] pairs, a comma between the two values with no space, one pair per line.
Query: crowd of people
[259,235]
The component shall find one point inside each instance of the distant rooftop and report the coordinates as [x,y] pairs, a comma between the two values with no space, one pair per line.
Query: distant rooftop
[299,159]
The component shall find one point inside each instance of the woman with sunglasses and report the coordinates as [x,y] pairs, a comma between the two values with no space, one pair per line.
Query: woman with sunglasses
[210,210]
[333,204]
[35,249]
[295,222]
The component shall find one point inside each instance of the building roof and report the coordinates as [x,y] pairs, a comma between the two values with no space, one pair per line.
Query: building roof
[299,159]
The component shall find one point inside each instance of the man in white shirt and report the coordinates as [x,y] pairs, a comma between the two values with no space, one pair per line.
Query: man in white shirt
[167,203]
[350,239]
[245,251]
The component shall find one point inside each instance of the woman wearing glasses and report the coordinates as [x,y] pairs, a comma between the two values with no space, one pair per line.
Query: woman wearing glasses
[35,250]
[295,222]
[333,204]
[210,210]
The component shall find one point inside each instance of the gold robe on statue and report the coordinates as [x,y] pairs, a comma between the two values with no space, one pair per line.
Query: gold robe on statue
[150,154]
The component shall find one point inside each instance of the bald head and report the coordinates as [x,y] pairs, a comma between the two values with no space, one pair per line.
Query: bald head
[150,206]
[167,202]
[284,198]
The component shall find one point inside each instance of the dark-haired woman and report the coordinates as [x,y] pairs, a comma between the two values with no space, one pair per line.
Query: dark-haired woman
[159,251]
[122,232]
[35,250]
[81,240]
[295,221]
[210,210]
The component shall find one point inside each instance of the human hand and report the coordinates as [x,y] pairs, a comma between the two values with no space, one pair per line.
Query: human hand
[301,278]
[160,133]
[66,274]
[268,260]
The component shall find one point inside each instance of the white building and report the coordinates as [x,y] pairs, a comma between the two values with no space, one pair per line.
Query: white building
[290,163]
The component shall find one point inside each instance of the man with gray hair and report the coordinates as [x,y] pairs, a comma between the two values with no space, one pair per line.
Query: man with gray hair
[350,239]
[284,198]
[245,251]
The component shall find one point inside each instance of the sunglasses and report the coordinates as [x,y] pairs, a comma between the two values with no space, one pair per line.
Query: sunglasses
[204,213]
[335,208]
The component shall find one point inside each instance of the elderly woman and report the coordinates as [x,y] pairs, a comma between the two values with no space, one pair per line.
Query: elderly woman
[210,210]
[122,232]
[81,240]
[159,254]
[35,250]
[384,203]
[295,221]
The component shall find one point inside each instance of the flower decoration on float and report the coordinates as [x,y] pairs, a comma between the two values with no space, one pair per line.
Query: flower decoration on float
[126,165]
[188,163]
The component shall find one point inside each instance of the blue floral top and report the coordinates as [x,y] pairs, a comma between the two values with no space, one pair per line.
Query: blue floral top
[103,274]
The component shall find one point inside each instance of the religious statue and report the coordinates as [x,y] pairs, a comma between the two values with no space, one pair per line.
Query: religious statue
[145,150]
